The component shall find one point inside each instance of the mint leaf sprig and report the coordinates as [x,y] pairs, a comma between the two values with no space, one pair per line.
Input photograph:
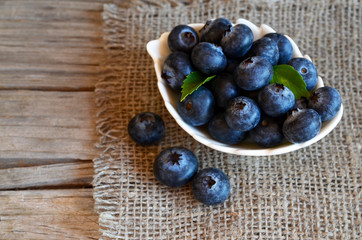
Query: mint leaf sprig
[291,78]
[192,82]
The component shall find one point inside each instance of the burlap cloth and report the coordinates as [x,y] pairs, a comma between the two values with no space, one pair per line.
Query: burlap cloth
[312,193]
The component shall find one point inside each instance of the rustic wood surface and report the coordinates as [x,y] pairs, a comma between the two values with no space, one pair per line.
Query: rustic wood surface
[75,174]
[50,45]
[48,214]
[49,57]
[47,124]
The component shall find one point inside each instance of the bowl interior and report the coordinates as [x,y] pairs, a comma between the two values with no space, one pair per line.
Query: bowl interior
[159,50]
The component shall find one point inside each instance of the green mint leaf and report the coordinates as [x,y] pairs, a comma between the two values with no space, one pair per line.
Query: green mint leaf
[291,78]
[192,82]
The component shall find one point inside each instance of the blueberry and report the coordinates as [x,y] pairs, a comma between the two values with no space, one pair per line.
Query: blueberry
[198,108]
[302,125]
[253,73]
[146,128]
[242,114]
[268,132]
[208,58]
[224,89]
[213,30]
[175,69]
[284,46]
[326,101]
[307,70]
[266,48]
[237,41]
[175,166]
[211,186]
[276,99]
[220,130]
[182,38]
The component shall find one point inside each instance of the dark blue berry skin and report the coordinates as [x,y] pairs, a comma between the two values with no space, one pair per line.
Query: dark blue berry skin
[266,48]
[284,46]
[182,38]
[208,58]
[242,114]
[211,186]
[224,89]
[214,30]
[237,41]
[253,73]
[175,166]
[268,132]
[302,125]
[326,101]
[146,128]
[276,99]
[198,108]
[220,130]
[307,70]
[175,69]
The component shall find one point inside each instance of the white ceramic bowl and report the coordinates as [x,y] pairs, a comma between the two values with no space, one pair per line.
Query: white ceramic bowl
[159,50]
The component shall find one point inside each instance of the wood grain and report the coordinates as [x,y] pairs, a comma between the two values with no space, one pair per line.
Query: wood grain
[47,214]
[50,45]
[24,162]
[39,124]
[76,174]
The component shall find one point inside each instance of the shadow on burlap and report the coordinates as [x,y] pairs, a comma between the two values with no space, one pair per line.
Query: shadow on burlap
[312,193]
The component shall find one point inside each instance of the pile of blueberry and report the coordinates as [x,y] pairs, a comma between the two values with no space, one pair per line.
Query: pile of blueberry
[177,166]
[240,101]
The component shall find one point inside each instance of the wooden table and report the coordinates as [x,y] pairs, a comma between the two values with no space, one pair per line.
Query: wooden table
[49,57]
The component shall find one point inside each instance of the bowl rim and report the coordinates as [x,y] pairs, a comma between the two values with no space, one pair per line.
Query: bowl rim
[158,50]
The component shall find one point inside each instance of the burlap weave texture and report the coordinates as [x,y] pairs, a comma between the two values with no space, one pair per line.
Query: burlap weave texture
[312,193]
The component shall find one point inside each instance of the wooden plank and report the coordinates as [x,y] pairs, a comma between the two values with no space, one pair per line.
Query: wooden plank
[23,162]
[51,56]
[48,214]
[47,125]
[76,174]
[50,46]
